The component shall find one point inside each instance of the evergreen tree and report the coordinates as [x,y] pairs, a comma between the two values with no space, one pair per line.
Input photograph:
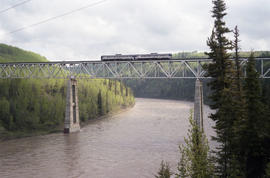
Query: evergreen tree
[107,102]
[195,159]
[126,91]
[266,102]
[4,112]
[224,94]
[99,103]
[115,87]
[110,84]
[255,138]
[164,171]
[267,171]
[239,108]
[121,88]
[237,63]
[183,169]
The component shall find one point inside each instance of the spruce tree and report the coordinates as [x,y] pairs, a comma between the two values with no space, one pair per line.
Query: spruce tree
[107,102]
[115,87]
[267,171]
[164,171]
[224,92]
[266,102]
[240,107]
[99,102]
[237,62]
[255,127]
[195,157]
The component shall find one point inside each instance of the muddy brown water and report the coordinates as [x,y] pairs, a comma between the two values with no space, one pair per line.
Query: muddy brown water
[127,145]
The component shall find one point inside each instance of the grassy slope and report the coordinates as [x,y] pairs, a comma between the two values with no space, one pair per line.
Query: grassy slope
[14,54]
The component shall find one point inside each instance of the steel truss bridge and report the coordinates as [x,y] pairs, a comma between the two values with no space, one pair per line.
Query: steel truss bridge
[150,69]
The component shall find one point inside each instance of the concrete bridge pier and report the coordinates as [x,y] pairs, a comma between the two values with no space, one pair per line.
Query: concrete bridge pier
[72,120]
[198,104]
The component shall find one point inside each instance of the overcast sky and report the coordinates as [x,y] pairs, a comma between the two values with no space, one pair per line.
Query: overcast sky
[128,26]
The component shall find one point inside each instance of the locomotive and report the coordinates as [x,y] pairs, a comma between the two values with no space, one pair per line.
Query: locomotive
[136,57]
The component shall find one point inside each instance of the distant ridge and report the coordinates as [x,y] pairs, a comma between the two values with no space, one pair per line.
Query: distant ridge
[196,54]
[13,54]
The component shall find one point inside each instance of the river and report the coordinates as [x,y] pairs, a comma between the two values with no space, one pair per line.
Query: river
[127,145]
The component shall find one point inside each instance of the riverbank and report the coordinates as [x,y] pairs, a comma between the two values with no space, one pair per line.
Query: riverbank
[7,135]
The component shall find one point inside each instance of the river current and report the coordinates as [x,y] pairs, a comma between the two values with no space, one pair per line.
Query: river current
[127,145]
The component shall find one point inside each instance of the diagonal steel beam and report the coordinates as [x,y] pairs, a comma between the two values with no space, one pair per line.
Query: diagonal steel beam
[118,69]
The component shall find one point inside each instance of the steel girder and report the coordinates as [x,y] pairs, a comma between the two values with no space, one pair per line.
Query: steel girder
[172,69]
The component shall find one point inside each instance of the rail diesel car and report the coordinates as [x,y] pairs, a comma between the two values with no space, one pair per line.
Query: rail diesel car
[136,57]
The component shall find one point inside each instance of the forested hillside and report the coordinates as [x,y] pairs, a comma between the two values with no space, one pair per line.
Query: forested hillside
[14,54]
[196,54]
[29,106]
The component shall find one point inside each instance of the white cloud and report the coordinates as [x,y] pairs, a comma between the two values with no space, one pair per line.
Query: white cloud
[134,26]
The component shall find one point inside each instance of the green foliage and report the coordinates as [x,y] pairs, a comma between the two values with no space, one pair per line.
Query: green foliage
[193,54]
[242,119]
[14,54]
[100,110]
[255,133]
[236,56]
[226,89]
[255,53]
[164,171]
[4,112]
[33,105]
[220,85]
[96,98]
[267,172]
[196,54]
[195,159]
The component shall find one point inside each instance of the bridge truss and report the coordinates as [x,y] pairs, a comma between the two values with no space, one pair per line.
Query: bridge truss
[172,69]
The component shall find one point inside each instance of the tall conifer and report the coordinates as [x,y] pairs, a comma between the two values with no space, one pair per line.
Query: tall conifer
[240,106]
[237,62]
[223,87]
[255,126]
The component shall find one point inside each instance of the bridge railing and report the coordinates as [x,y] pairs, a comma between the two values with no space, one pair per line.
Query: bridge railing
[178,68]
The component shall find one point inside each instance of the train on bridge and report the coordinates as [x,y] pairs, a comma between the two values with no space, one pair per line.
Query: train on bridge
[136,57]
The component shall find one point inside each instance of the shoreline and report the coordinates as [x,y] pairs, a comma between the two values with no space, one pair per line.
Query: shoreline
[18,135]
[106,116]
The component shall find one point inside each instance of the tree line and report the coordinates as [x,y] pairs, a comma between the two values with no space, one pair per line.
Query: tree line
[32,105]
[38,105]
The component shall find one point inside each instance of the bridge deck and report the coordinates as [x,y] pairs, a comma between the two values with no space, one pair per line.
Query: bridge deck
[150,69]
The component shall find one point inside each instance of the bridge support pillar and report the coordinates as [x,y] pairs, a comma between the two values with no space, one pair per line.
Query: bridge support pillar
[198,104]
[72,120]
